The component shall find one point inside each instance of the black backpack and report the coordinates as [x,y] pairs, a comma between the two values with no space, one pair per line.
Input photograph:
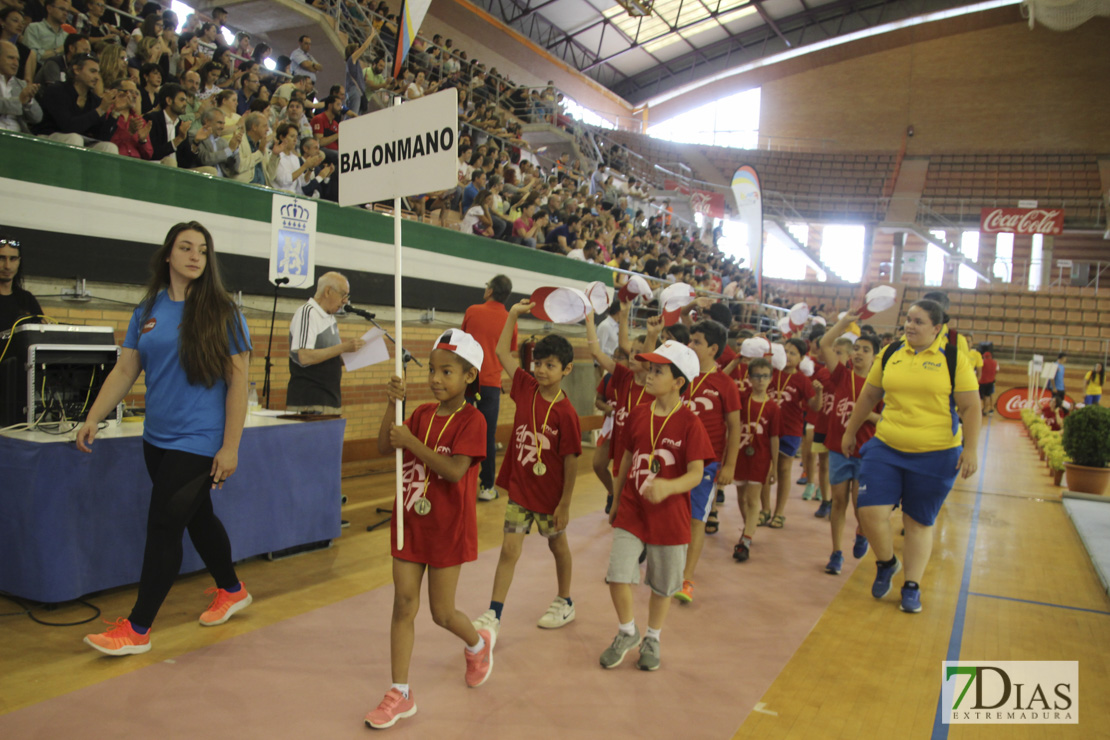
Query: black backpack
[950,353]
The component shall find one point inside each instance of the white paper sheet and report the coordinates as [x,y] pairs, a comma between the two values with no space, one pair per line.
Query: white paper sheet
[373,352]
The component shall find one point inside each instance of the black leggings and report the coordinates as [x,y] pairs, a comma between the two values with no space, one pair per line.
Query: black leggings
[181,498]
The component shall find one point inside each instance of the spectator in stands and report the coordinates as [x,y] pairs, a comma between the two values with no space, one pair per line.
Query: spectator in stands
[420,87]
[587,253]
[477,219]
[325,126]
[248,92]
[210,74]
[477,184]
[189,56]
[242,46]
[54,69]
[213,150]
[294,113]
[294,174]
[528,230]
[150,77]
[12,22]
[219,15]
[169,135]
[132,134]
[303,62]
[227,102]
[564,237]
[47,37]
[72,112]
[375,78]
[15,302]
[254,166]
[92,24]
[19,110]
[355,80]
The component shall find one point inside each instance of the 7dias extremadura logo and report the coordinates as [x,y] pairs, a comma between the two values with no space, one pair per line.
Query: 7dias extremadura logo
[1010,692]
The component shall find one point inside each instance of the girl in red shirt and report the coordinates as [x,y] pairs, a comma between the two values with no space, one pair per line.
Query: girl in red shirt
[759,447]
[794,393]
[443,443]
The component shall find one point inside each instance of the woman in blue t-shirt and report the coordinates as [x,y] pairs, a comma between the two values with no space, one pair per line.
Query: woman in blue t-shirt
[190,339]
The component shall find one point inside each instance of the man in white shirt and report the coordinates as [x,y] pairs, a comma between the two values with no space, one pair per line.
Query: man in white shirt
[608,331]
[587,253]
[18,107]
[302,61]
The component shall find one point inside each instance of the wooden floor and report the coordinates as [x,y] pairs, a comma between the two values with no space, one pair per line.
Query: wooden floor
[865,671]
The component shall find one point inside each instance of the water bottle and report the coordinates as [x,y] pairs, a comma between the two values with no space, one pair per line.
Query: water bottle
[252,397]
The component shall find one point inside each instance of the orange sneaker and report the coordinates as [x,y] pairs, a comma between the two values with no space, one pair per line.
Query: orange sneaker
[480,664]
[224,605]
[393,707]
[686,594]
[120,640]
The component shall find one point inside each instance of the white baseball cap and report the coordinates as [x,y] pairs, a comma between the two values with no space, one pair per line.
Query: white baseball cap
[754,347]
[599,296]
[635,287]
[778,357]
[463,345]
[560,305]
[674,353]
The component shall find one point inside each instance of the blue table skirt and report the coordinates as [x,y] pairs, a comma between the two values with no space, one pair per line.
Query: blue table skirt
[73,523]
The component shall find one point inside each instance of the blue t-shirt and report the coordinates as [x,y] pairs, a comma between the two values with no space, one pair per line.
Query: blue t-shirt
[1058,381]
[179,415]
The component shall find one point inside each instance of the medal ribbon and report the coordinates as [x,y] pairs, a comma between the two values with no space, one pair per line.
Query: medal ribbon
[693,388]
[535,432]
[428,433]
[651,430]
[760,416]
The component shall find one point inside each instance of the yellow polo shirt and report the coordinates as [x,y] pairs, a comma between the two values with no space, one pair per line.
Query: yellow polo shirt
[917,415]
[976,359]
[1094,388]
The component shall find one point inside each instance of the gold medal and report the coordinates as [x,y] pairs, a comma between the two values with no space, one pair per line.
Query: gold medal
[539,468]
[655,465]
[749,450]
[422,506]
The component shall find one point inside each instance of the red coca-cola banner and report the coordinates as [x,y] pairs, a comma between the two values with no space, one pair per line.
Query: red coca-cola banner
[1011,402]
[1022,220]
[706,202]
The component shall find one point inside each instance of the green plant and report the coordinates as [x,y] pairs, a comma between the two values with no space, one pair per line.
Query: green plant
[1086,436]
[1055,458]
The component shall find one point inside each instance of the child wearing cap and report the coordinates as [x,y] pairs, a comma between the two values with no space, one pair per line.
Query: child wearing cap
[819,488]
[850,364]
[627,381]
[443,444]
[606,403]
[794,393]
[663,459]
[539,468]
[759,448]
[713,397]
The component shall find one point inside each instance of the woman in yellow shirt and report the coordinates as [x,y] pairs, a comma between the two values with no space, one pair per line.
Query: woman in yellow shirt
[1094,380]
[918,448]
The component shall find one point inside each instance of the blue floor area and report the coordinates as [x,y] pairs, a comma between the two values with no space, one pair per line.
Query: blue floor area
[1092,521]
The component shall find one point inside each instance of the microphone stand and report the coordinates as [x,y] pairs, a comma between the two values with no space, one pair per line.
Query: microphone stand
[406,357]
[270,346]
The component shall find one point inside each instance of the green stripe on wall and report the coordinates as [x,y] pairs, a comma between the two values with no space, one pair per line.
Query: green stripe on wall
[31,159]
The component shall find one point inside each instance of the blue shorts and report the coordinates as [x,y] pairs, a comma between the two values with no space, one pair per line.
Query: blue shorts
[843,468]
[1092,400]
[889,477]
[704,494]
[789,445]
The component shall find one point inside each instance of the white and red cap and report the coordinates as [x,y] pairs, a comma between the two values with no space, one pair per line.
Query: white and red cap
[560,305]
[798,315]
[599,296]
[877,300]
[674,353]
[463,345]
[778,357]
[636,287]
[786,327]
[673,299]
[807,366]
[754,347]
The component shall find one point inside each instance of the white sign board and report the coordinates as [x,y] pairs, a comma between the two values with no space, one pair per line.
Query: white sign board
[1036,365]
[1027,204]
[913,262]
[293,241]
[403,150]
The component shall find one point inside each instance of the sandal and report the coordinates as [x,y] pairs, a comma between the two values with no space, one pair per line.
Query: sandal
[764,518]
[777,521]
[712,524]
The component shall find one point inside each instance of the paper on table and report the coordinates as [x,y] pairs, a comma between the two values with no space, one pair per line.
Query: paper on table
[373,352]
[269,412]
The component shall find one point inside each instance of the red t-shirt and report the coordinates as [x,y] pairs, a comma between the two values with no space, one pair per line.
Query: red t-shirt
[759,422]
[679,441]
[727,356]
[713,396]
[630,395]
[324,126]
[559,436]
[846,387]
[791,391]
[448,534]
[484,322]
[990,369]
[821,417]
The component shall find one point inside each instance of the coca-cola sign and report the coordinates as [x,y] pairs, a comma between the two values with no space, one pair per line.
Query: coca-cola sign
[1011,402]
[1022,220]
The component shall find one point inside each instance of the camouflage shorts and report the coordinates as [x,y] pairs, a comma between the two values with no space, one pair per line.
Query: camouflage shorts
[518,520]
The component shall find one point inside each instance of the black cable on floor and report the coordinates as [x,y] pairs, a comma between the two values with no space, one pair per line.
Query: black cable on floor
[29,611]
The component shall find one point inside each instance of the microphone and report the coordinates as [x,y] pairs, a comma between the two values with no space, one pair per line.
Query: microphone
[359,312]
[281,281]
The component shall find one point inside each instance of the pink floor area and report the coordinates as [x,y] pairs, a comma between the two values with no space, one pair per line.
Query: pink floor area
[316,675]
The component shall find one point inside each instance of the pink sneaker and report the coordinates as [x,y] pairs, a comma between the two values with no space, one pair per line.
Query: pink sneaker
[393,707]
[479,665]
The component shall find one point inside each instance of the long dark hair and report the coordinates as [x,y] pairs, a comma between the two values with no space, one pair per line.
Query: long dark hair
[210,315]
[17,281]
[1098,368]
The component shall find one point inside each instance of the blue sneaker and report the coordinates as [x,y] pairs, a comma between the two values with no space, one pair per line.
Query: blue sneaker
[883,576]
[836,563]
[823,510]
[911,600]
[860,548]
[802,481]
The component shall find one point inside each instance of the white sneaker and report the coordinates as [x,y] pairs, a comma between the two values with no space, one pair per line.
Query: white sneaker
[559,614]
[488,621]
[487,494]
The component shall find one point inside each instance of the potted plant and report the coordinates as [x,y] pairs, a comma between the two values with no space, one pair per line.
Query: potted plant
[1087,443]
[1056,461]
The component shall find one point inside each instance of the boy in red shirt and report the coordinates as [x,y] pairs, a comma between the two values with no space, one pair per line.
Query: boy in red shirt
[986,382]
[759,448]
[443,444]
[712,395]
[606,402]
[847,382]
[664,458]
[539,468]
[794,393]
[819,489]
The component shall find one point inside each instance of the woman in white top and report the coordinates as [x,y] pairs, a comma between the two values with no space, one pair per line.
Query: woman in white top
[419,87]
[293,173]
[478,220]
